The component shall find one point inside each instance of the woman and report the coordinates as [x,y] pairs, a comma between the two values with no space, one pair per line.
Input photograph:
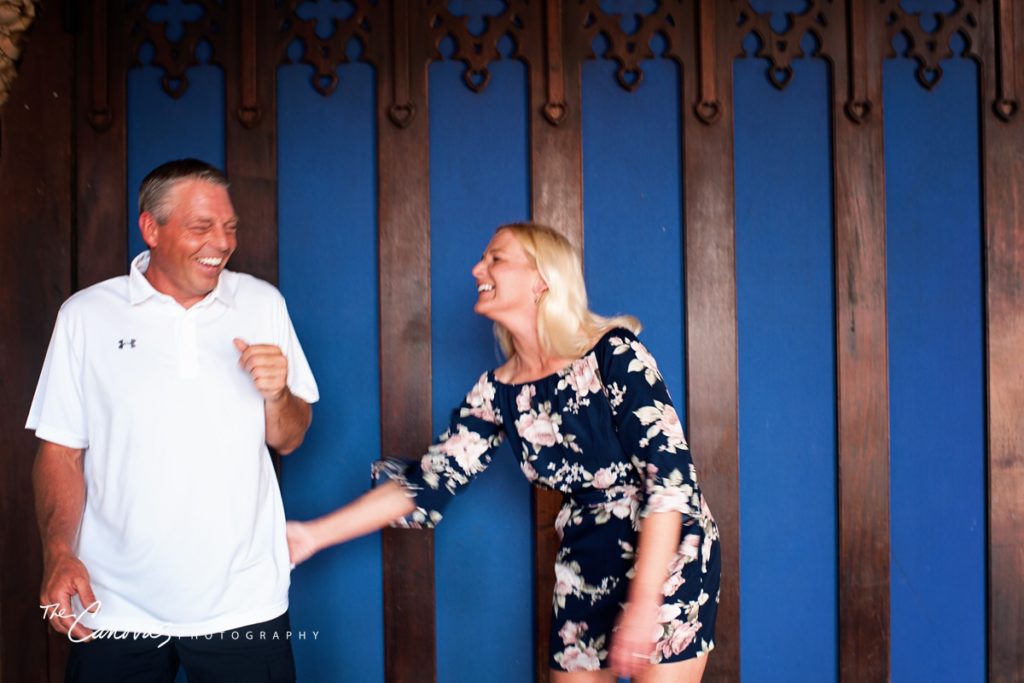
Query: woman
[588,414]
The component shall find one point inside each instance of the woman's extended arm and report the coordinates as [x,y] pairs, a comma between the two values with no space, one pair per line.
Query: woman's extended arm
[371,511]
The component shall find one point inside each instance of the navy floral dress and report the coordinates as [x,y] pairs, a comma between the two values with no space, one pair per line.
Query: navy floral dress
[602,431]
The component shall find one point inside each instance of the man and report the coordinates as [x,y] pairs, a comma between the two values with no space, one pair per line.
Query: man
[157,502]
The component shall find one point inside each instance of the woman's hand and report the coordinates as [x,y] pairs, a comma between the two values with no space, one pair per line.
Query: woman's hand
[301,544]
[634,638]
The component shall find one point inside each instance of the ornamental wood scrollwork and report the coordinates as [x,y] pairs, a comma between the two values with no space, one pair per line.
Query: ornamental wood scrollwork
[630,49]
[1006,103]
[325,54]
[15,18]
[177,56]
[780,49]
[476,52]
[929,48]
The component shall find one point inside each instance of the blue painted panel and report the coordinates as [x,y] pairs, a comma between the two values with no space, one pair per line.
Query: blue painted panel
[328,271]
[632,206]
[160,129]
[936,374]
[479,169]
[786,375]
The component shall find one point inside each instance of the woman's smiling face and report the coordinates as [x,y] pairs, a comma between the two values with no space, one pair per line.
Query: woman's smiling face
[507,281]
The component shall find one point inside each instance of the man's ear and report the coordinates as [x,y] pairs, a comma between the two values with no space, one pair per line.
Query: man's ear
[149,228]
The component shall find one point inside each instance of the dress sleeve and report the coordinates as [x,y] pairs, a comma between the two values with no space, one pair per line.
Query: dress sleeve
[648,426]
[461,453]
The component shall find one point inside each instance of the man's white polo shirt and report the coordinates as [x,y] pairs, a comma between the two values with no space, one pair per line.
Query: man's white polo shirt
[183,528]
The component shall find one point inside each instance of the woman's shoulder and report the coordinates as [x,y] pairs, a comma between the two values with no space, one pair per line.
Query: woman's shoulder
[613,339]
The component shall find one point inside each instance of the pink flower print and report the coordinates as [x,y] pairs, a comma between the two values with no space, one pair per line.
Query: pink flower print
[540,429]
[571,631]
[524,397]
[681,634]
[567,581]
[480,399]
[584,377]
[466,447]
[603,478]
[574,658]
[564,515]
[672,428]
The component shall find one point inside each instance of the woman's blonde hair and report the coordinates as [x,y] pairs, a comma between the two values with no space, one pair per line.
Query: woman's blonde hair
[566,326]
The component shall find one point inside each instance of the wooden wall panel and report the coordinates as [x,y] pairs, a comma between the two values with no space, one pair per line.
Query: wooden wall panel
[1003,177]
[410,652]
[556,192]
[36,162]
[101,211]
[861,345]
[250,65]
[710,248]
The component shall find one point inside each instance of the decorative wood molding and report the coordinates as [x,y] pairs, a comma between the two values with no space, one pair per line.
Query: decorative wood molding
[929,48]
[1006,103]
[402,110]
[554,75]
[780,49]
[174,57]
[858,105]
[708,108]
[630,49]
[325,54]
[248,111]
[477,52]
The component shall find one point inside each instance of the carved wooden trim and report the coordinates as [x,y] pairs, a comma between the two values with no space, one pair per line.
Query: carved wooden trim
[929,48]
[554,107]
[476,52]
[1002,175]
[100,116]
[708,108]
[1006,103]
[858,105]
[325,54]
[402,110]
[249,112]
[780,49]
[629,50]
[862,380]
[15,19]
[174,57]
[403,238]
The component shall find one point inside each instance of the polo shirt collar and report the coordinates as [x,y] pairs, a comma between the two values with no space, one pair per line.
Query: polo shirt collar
[140,289]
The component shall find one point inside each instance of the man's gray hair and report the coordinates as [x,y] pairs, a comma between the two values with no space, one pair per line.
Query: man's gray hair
[157,185]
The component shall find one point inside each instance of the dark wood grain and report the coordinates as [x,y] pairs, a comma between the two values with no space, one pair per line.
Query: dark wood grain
[711,366]
[35,278]
[101,209]
[405,360]
[250,66]
[1003,198]
[556,192]
[861,352]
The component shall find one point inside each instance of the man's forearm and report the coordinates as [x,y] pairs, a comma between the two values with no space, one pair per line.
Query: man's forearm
[58,481]
[288,418]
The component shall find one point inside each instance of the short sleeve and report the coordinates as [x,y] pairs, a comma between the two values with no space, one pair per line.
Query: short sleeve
[300,377]
[455,459]
[58,407]
[648,426]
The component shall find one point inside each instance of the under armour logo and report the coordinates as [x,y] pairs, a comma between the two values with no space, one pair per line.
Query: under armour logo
[130,343]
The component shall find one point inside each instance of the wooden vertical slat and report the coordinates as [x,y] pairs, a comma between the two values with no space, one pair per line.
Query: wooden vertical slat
[101,212]
[1003,197]
[405,360]
[556,192]
[35,278]
[250,62]
[861,345]
[710,246]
